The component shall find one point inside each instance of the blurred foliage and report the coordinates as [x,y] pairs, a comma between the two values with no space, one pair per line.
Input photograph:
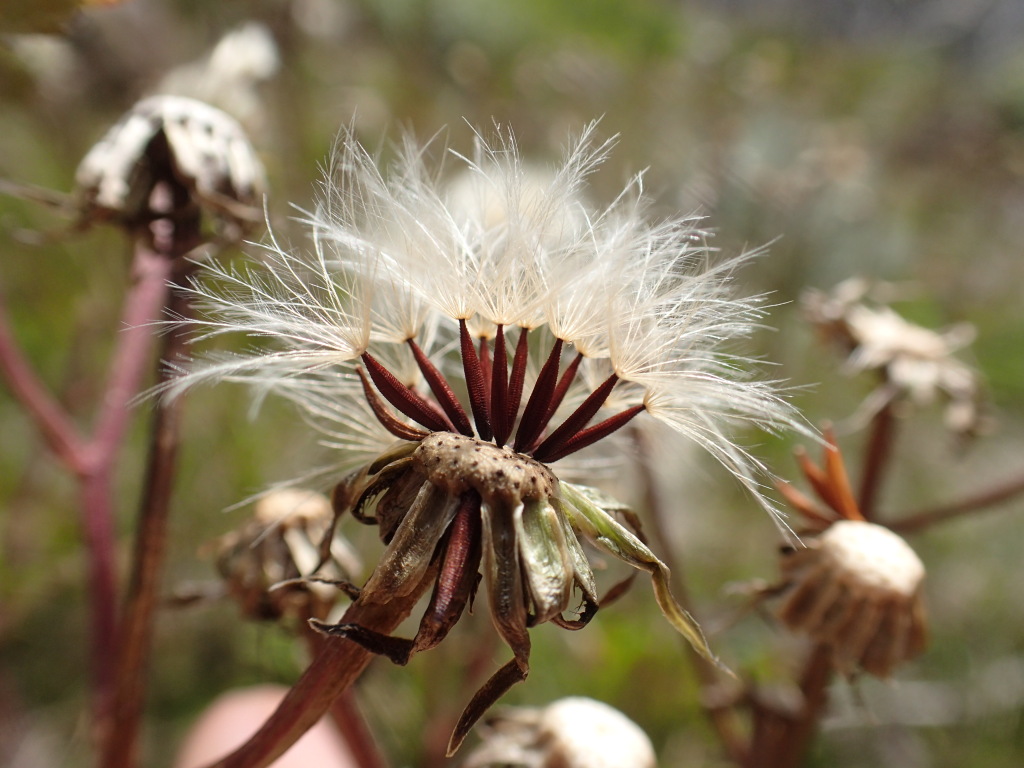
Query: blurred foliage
[849,148]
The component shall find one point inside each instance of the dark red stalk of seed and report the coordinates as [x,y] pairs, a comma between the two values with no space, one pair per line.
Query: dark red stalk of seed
[577,420]
[588,436]
[485,372]
[442,391]
[563,386]
[404,399]
[499,389]
[516,380]
[475,383]
[537,406]
[384,416]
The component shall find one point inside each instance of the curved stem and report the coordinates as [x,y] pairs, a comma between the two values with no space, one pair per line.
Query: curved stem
[336,666]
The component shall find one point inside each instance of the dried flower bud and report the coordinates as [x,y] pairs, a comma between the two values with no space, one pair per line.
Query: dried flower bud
[916,362]
[857,588]
[201,152]
[266,560]
[570,733]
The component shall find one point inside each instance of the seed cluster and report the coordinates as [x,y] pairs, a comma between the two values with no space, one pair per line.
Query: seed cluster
[458,463]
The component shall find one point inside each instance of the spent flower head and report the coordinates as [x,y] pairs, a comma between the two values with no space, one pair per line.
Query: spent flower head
[916,364]
[424,331]
[854,586]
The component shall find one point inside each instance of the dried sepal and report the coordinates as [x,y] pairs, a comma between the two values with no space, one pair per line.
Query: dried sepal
[582,507]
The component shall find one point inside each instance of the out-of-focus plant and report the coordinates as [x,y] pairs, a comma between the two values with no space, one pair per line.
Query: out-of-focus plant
[180,178]
[887,157]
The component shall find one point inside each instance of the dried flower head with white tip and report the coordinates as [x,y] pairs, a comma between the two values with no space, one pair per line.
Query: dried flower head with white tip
[916,363]
[424,335]
[574,732]
[202,152]
[855,586]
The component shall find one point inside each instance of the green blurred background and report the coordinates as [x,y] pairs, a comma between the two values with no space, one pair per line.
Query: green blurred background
[873,138]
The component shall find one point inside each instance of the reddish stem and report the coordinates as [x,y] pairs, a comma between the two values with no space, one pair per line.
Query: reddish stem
[49,417]
[877,455]
[136,629]
[336,666]
[916,521]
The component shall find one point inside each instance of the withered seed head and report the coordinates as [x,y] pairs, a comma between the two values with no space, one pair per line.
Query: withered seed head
[857,588]
[574,732]
[265,561]
[458,463]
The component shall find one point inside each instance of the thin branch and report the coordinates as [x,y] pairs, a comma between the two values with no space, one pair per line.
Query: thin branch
[144,305]
[167,240]
[877,453]
[49,417]
[136,629]
[781,739]
[919,520]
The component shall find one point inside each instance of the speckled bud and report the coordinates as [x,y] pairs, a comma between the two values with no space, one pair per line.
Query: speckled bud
[198,149]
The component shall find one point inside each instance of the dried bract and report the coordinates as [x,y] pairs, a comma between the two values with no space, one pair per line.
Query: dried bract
[573,732]
[199,152]
[916,363]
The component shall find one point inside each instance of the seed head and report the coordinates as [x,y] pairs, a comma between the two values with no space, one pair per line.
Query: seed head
[854,586]
[573,732]
[917,364]
[267,561]
[424,333]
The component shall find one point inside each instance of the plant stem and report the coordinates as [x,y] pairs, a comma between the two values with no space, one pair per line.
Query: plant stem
[159,252]
[92,461]
[877,452]
[136,628]
[781,740]
[49,417]
[916,521]
[336,666]
[346,712]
